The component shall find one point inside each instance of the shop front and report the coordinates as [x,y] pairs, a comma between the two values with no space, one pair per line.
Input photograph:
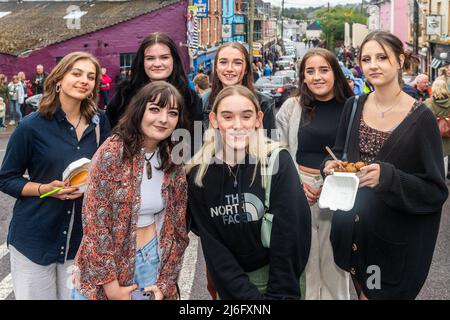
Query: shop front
[440,56]
[205,60]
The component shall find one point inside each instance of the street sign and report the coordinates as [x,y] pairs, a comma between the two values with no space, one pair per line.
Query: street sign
[226,31]
[434,25]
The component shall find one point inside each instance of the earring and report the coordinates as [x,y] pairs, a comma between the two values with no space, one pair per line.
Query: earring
[58,88]
[91,95]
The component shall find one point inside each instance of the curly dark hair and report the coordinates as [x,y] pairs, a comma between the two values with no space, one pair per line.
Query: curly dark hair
[129,128]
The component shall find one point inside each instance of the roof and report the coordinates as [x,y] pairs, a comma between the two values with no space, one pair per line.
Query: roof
[38,24]
[314,26]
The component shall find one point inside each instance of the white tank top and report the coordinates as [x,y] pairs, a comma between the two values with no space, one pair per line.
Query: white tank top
[151,199]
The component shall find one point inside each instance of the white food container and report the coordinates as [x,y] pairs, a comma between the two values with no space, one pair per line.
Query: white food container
[73,169]
[339,191]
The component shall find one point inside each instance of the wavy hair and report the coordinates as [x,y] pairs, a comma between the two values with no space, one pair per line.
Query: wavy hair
[341,89]
[247,80]
[259,148]
[129,128]
[50,98]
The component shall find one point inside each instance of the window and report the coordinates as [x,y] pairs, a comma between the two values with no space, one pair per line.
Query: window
[126,59]
[239,29]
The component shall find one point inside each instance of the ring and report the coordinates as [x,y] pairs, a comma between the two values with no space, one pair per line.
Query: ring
[67,198]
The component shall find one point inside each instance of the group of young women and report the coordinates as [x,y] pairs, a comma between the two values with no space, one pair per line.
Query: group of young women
[126,238]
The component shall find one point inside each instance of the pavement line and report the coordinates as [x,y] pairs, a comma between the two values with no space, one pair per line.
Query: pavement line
[3,250]
[187,273]
[6,287]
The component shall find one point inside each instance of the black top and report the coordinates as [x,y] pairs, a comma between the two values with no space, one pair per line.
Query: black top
[395,225]
[40,228]
[317,132]
[228,220]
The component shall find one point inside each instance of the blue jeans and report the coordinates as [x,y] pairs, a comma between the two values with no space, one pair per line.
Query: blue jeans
[146,268]
[14,105]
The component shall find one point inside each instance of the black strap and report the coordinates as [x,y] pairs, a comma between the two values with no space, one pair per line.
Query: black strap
[349,128]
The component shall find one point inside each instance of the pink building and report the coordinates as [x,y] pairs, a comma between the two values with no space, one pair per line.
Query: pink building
[394,17]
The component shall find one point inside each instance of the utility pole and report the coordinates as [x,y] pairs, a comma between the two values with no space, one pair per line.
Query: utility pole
[416,28]
[250,35]
[282,19]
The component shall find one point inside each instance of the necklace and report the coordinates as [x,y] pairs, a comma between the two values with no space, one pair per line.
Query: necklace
[148,165]
[234,175]
[78,123]
[388,109]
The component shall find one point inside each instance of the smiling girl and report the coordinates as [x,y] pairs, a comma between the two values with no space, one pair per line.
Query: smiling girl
[157,59]
[44,234]
[135,206]
[387,240]
[226,197]
[232,66]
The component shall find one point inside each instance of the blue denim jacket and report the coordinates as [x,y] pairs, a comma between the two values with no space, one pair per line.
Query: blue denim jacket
[40,228]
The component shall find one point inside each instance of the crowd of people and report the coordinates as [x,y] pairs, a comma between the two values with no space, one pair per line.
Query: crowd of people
[124,236]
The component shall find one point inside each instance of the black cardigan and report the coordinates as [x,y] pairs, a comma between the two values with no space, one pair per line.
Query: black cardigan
[395,225]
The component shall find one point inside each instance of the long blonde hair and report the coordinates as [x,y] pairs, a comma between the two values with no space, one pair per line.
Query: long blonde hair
[440,89]
[259,147]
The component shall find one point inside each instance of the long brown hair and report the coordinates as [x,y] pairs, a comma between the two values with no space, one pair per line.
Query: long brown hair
[341,88]
[247,80]
[50,99]
[129,128]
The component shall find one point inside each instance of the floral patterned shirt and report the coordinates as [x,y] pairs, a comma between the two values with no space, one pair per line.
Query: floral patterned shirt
[110,213]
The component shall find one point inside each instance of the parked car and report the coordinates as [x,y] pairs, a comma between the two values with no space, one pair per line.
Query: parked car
[279,87]
[291,57]
[287,64]
[288,73]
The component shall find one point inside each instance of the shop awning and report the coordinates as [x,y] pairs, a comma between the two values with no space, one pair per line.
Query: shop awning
[436,63]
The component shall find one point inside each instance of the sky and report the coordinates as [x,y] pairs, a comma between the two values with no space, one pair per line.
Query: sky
[311,3]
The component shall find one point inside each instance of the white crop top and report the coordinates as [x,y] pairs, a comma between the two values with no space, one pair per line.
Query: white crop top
[151,199]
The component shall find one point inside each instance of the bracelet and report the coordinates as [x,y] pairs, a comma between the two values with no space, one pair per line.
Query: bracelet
[39,189]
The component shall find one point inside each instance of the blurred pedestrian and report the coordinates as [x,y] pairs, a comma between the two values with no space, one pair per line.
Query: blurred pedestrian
[439,103]
[16,99]
[38,80]
[105,86]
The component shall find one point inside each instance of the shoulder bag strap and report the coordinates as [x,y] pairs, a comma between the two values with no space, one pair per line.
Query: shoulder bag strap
[349,128]
[269,173]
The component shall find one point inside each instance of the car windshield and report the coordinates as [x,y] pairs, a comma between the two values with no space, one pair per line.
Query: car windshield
[288,73]
[277,80]
[262,80]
